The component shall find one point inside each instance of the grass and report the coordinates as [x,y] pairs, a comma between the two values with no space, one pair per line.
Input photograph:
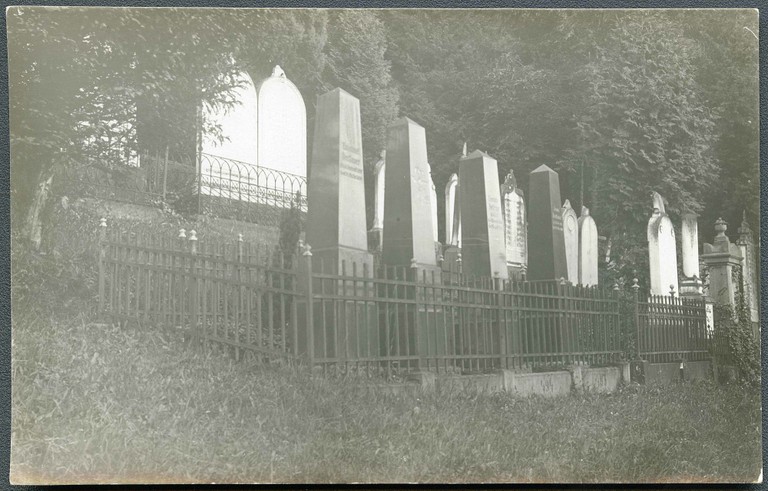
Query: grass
[94,403]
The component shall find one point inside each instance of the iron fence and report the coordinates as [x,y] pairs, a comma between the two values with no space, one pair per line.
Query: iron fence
[355,318]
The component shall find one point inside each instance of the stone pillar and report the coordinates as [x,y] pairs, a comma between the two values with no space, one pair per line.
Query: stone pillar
[662,250]
[546,244]
[407,210]
[336,225]
[376,233]
[515,227]
[588,249]
[450,208]
[749,286]
[433,204]
[483,231]
[721,257]
[690,285]
[571,237]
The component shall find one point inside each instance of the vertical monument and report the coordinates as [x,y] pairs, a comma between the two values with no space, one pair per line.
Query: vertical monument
[482,234]
[282,125]
[450,208]
[515,227]
[546,244]
[749,280]
[662,250]
[407,210]
[571,237]
[336,225]
[377,230]
[690,285]
[721,258]
[588,249]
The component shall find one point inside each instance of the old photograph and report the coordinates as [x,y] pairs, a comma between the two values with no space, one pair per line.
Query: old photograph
[384,245]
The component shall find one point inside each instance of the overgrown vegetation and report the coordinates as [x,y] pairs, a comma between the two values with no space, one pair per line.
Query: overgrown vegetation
[94,403]
[738,345]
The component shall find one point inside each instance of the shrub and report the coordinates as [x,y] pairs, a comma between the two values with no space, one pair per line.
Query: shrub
[738,345]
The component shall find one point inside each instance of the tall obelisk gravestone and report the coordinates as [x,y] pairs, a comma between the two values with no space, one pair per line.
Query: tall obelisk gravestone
[336,227]
[482,233]
[408,229]
[546,244]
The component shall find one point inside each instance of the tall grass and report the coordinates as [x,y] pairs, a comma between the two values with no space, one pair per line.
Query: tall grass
[95,403]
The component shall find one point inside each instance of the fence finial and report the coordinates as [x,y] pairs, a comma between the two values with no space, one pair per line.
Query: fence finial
[562,281]
[413,263]
[672,290]
[103,222]
[635,285]
[616,286]
[239,237]
[182,233]
[307,250]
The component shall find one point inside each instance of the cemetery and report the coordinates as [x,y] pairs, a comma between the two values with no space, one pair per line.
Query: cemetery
[360,245]
[512,291]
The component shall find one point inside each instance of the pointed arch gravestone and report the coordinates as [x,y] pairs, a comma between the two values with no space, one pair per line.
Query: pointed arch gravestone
[662,250]
[690,284]
[515,226]
[588,249]
[482,232]
[546,244]
[282,125]
[571,238]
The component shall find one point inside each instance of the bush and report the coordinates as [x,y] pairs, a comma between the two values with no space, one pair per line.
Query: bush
[738,345]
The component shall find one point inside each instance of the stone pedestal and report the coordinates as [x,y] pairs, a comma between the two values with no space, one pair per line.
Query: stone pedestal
[721,257]
[483,228]
[546,244]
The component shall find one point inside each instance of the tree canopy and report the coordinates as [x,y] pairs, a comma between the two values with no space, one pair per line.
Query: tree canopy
[620,103]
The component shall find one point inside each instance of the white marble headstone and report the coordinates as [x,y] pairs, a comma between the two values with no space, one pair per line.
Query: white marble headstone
[450,208]
[690,246]
[282,124]
[662,250]
[379,171]
[433,204]
[588,250]
[571,236]
[515,224]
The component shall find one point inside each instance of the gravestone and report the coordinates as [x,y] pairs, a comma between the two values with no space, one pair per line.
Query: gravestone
[546,244]
[336,228]
[515,227]
[482,231]
[690,284]
[588,249]
[377,230]
[450,209]
[749,285]
[407,209]
[238,124]
[721,258]
[571,237]
[662,250]
[433,204]
[282,123]
[336,225]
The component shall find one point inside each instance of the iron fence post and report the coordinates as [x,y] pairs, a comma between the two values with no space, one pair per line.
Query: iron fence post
[501,320]
[102,255]
[636,299]
[310,318]
[194,307]
[414,277]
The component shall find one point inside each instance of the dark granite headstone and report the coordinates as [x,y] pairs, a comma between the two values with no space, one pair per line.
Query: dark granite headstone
[408,229]
[336,227]
[546,244]
[482,233]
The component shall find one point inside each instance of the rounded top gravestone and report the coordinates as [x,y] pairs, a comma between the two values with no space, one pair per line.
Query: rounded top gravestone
[282,125]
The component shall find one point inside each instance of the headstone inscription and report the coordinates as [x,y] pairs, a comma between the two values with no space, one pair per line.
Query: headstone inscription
[282,124]
[450,206]
[662,250]
[571,237]
[336,225]
[546,244]
[588,249]
[690,284]
[515,226]
[482,232]
[407,210]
